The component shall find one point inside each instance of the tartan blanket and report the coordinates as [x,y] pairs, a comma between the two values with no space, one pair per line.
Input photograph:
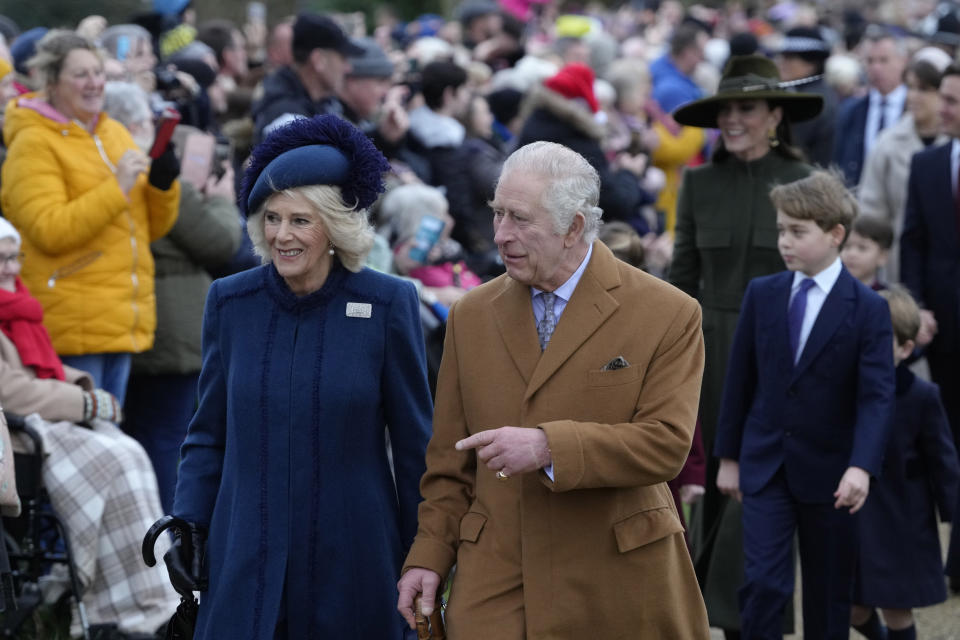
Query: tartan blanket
[103,487]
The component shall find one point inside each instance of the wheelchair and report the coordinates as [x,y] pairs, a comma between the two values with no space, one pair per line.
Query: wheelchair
[35,542]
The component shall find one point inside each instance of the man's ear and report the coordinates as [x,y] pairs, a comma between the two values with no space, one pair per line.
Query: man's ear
[575,231]
[318,59]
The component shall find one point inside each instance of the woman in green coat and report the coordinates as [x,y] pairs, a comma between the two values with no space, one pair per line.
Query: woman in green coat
[726,234]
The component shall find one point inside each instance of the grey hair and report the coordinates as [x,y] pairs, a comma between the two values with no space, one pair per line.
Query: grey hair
[403,207]
[573,184]
[111,36]
[126,102]
[52,52]
[347,228]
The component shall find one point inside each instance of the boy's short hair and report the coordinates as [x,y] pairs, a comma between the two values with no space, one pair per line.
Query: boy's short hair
[874,228]
[820,197]
[904,313]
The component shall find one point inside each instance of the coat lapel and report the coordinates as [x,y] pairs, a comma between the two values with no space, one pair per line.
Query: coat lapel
[513,311]
[589,307]
[836,308]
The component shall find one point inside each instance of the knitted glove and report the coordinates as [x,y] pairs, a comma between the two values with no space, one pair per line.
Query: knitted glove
[101,404]
[165,169]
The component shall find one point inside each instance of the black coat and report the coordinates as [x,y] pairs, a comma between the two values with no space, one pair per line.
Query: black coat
[284,93]
[900,565]
[553,118]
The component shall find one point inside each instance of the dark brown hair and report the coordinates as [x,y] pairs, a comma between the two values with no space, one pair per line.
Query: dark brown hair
[874,228]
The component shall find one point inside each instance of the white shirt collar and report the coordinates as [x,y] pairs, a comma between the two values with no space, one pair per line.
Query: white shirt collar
[895,97]
[824,280]
[565,290]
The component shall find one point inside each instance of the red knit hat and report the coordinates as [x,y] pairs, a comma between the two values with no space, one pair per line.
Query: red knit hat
[574,81]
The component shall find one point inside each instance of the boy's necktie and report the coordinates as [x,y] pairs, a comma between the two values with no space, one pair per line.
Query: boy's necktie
[549,321]
[798,307]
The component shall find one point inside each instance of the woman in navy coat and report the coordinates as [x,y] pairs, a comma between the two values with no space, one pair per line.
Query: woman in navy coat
[900,565]
[307,361]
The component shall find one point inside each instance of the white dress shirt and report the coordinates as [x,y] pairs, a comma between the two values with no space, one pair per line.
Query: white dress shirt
[563,293]
[823,283]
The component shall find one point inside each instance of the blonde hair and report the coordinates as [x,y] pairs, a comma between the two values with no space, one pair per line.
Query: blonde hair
[348,229]
[904,313]
[52,52]
[821,197]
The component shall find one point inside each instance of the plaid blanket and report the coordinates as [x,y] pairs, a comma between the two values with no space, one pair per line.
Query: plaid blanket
[103,487]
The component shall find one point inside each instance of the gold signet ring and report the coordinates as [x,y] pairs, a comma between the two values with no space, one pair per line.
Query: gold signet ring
[501,475]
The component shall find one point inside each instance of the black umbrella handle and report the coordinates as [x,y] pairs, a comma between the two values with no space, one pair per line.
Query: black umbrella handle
[181,529]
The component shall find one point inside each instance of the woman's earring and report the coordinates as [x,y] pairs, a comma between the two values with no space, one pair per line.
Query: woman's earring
[332,249]
[774,140]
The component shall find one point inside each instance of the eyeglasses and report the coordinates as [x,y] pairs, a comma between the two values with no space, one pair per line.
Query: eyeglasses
[11,259]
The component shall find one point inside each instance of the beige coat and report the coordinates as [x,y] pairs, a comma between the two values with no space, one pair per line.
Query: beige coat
[599,553]
[883,186]
[23,393]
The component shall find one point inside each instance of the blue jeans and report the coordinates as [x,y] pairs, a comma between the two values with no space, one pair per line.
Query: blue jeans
[110,371]
[157,414]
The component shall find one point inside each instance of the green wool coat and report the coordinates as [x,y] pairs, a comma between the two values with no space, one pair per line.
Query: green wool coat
[726,235]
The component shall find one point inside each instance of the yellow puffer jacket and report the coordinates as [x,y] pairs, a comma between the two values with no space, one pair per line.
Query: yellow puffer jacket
[86,246]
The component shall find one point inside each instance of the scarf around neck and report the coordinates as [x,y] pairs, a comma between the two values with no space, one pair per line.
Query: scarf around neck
[21,320]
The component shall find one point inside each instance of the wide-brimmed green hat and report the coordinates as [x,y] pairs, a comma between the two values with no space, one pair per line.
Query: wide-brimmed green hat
[749,78]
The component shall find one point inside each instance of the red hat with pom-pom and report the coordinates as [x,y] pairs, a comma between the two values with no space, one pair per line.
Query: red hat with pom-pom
[574,81]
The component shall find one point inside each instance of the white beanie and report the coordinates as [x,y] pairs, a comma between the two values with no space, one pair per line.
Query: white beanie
[7,231]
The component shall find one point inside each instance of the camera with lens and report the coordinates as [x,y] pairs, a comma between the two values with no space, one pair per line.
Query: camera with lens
[166,80]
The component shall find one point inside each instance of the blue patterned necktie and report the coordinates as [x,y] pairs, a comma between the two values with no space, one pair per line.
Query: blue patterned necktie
[798,307]
[549,321]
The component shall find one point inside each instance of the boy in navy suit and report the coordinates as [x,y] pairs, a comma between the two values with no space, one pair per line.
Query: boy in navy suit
[805,414]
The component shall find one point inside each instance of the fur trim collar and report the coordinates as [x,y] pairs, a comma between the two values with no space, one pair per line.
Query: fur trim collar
[576,115]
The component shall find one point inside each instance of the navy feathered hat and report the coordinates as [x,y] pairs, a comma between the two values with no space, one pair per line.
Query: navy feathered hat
[313,151]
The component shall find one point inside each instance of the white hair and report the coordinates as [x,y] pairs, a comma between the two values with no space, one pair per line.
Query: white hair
[347,228]
[842,71]
[402,209]
[126,103]
[573,184]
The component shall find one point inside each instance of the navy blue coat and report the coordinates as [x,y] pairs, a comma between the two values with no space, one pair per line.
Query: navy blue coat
[286,460]
[830,411]
[900,566]
[930,244]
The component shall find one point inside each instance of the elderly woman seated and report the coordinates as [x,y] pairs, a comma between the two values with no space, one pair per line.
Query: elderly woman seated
[415,219]
[100,481]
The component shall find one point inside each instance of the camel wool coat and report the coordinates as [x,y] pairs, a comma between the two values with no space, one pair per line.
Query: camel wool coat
[598,552]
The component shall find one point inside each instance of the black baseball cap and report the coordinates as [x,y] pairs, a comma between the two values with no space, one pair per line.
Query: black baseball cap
[312,31]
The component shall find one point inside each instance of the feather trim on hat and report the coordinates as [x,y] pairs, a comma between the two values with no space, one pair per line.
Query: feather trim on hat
[367,165]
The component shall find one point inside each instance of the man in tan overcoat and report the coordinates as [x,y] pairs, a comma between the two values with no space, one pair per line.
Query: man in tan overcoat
[566,399]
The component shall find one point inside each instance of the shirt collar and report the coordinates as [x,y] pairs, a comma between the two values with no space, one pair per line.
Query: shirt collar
[897,96]
[565,291]
[824,280]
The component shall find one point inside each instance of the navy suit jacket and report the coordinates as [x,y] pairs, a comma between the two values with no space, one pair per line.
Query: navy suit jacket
[830,411]
[930,243]
[851,132]
[848,142]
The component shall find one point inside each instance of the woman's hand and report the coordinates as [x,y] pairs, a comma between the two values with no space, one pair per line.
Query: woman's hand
[223,186]
[129,168]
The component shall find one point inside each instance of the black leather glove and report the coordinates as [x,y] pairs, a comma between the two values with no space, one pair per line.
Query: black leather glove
[165,169]
[185,560]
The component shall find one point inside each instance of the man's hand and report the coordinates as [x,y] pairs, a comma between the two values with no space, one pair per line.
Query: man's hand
[416,581]
[928,328]
[853,489]
[728,478]
[510,450]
